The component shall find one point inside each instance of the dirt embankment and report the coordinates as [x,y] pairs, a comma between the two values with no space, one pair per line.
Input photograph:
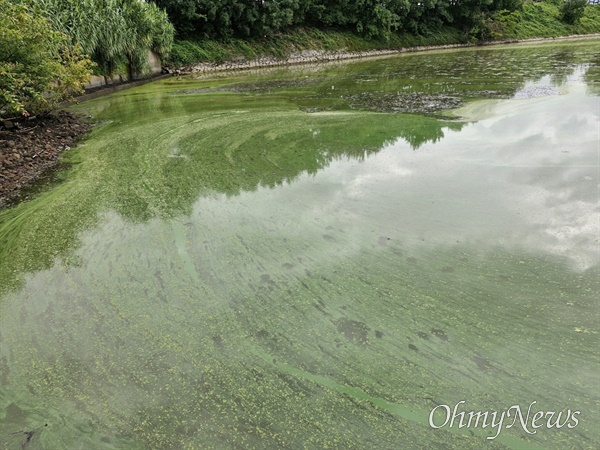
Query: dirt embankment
[318,56]
[30,147]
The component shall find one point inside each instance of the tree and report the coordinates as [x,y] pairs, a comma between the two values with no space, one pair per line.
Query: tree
[116,33]
[229,18]
[38,65]
[185,15]
[572,11]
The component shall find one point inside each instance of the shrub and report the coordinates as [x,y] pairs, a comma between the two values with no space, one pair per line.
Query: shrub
[115,33]
[38,66]
[572,11]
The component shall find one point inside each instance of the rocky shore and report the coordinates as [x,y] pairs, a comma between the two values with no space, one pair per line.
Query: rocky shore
[317,56]
[29,148]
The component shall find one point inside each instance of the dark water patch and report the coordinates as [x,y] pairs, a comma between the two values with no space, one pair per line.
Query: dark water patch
[440,334]
[327,280]
[256,374]
[295,384]
[197,91]
[378,334]
[405,102]
[489,93]
[327,352]
[321,309]
[385,292]
[413,347]
[365,281]
[354,331]
[15,415]
[483,364]
[266,278]
[316,109]
[261,334]
[256,86]
[4,371]
[218,340]
[288,266]
[23,439]
[203,385]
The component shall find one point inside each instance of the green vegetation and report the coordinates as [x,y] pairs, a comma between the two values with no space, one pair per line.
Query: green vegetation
[189,51]
[572,10]
[44,43]
[116,33]
[198,40]
[541,19]
[38,65]
[377,19]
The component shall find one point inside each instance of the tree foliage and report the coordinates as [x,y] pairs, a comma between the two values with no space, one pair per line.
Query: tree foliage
[571,11]
[38,65]
[116,33]
[370,18]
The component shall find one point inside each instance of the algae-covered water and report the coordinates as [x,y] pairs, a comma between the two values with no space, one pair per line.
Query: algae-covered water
[315,257]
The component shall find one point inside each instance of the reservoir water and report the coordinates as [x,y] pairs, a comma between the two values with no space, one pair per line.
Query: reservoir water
[316,257]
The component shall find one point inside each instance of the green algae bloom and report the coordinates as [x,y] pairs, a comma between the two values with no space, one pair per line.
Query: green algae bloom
[314,257]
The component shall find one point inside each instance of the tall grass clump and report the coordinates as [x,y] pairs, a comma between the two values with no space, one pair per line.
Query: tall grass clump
[116,33]
[39,66]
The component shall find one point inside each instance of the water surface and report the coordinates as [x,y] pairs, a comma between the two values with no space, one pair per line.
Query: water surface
[314,258]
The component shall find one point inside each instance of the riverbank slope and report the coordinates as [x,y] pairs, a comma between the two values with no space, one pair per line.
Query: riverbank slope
[536,20]
[317,56]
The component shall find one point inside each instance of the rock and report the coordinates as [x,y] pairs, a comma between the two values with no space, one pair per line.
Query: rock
[24,156]
[8,125]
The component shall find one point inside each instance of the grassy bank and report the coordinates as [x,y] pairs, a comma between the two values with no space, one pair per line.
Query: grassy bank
[541,19]
[536,19]
[186,52]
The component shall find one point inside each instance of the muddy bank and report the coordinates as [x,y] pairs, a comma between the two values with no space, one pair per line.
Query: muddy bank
[316,56]
[30,148]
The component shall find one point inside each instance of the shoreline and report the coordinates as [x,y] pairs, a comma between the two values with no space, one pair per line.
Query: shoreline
[324,56]
[303,57]
[34,148]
